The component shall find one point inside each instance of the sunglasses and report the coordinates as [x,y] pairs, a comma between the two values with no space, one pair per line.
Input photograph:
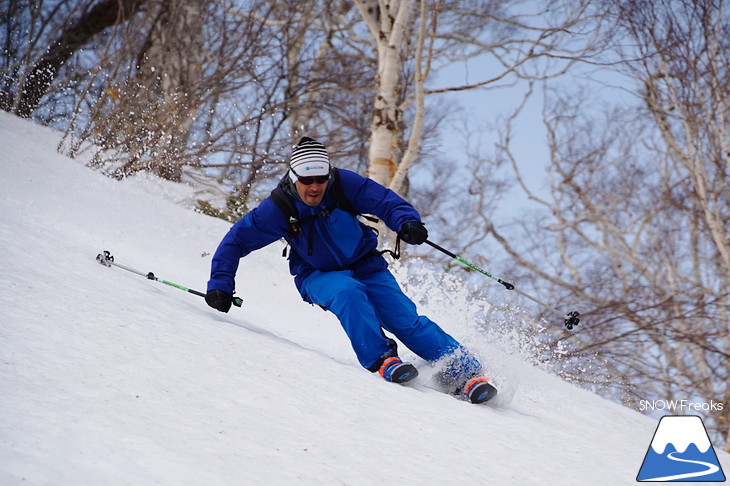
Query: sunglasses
[308,181]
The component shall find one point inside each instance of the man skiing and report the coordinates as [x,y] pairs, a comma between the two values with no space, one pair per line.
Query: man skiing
[335,265]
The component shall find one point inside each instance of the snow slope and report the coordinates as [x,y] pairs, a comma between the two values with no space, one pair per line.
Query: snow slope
[109,378]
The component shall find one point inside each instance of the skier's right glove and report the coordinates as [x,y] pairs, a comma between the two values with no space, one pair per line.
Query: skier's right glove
[219,300]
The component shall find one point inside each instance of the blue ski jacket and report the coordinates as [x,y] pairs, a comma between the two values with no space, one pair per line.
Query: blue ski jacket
[335,240]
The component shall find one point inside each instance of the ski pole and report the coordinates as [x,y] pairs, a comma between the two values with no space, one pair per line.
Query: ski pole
[571,318]
[107,259]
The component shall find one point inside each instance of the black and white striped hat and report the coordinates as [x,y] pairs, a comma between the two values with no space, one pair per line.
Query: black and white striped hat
[309,158]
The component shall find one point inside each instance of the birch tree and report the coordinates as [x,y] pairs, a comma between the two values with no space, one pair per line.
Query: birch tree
[389,24]
[413,37]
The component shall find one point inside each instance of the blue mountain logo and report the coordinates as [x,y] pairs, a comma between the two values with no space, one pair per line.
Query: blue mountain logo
[681,451]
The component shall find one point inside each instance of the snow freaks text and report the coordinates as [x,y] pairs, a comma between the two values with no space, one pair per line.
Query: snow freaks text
[680,406]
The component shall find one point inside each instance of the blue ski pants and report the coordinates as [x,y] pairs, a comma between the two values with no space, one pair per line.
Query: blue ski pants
[367,304]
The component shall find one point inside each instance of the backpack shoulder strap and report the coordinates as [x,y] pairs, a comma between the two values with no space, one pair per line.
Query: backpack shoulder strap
[339,195]
[284,202]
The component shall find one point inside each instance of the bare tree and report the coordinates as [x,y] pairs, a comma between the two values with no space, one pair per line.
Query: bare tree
[194,90]
[639,211]
[158,103]
[30,80]
[412,38]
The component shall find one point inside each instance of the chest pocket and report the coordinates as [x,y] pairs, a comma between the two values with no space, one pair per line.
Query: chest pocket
[345,231]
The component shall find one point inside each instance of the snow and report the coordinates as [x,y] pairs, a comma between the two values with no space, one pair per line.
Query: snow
[110,378]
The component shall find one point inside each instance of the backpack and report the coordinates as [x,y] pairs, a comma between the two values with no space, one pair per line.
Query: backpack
[287,206]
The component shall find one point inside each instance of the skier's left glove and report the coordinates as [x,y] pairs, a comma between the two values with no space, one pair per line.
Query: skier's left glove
[219,300]
[413,232]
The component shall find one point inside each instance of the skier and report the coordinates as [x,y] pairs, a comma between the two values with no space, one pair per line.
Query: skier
[335,265]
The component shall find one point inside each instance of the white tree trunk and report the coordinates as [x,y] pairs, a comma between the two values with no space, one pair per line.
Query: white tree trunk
[388,22]
[398,182]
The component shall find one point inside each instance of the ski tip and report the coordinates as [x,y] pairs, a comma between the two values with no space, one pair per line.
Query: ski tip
[482,393]
[405,373]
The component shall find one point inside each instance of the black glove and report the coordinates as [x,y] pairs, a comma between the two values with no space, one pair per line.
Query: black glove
[413,232]
[219,300]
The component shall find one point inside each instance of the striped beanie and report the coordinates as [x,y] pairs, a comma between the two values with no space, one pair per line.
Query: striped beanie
[309,158]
